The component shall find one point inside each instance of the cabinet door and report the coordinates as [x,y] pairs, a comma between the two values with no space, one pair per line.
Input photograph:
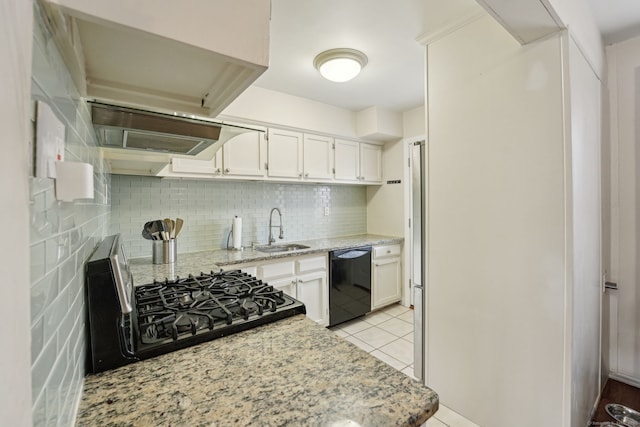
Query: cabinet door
[385,287]
[245,155]
[313,291]
[284,151]
[288,286]
[317,157]
[347,160]
[371,163]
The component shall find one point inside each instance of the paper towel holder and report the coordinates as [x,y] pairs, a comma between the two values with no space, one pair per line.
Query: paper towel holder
[230,248]
[74,180]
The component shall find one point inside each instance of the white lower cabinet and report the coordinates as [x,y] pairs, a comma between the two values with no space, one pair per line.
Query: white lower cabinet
[301,277]
[385,276]
[312,290]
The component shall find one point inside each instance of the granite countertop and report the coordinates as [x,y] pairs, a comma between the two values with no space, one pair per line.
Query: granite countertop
[195,262]
[288,373]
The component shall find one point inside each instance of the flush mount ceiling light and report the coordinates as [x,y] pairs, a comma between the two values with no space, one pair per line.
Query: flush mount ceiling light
[340,65]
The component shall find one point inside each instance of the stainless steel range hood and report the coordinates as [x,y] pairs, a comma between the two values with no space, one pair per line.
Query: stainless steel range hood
[133,129]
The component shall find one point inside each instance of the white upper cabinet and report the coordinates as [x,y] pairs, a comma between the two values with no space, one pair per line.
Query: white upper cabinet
[347,160]
[357,162]
[245,155]
[370,163]
[300,156]
[188,56]
[318,157]
[284,153]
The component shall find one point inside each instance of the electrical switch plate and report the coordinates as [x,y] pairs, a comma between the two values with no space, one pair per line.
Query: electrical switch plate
[50,132]
[326,211]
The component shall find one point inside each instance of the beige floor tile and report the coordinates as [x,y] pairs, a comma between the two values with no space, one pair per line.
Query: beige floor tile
[375,337]
[407,316]
[340,332]
[394,363]
[408,337]
[376,317]
[399,349]
[396,326]
[434,422]
[396,310]
[363,345]
[452,418]
[354,326]
[408,371]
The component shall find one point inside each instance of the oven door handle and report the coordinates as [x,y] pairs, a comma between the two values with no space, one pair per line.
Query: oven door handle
[126,347]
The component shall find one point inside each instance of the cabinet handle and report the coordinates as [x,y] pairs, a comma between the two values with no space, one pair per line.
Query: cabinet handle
[306,175]
[300,174]
[300,281]
[227,170]
[293,282]
[218,170]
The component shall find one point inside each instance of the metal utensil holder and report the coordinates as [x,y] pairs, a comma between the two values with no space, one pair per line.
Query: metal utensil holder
[164,251]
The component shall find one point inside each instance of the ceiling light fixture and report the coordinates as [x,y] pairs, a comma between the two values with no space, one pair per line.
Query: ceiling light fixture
[340,65]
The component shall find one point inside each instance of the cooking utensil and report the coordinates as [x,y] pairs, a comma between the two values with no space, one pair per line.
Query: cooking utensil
[168,227]
[154,229]
[146,231]
[160,226]
[179,224]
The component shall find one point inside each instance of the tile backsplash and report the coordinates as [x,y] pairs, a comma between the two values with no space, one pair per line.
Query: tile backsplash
[208,208]
[62,236]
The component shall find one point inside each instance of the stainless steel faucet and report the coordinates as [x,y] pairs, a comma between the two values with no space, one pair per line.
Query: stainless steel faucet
[281,236]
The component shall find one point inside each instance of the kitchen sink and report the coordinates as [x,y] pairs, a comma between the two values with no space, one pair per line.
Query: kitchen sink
[281,248]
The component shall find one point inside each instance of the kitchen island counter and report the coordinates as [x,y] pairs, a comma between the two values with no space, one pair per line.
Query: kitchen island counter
[204,261]
[290,372]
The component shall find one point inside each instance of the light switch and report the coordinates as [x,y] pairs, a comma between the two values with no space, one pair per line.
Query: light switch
[50,133]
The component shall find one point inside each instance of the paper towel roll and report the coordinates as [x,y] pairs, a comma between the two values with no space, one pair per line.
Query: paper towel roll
[236,230]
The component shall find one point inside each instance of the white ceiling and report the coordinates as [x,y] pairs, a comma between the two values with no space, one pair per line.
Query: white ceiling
[618,20]
[387,32]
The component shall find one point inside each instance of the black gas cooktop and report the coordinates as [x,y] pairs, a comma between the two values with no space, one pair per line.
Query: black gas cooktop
[127,323]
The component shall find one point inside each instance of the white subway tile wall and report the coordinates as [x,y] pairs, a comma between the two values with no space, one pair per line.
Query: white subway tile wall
[208,208]
[62,237]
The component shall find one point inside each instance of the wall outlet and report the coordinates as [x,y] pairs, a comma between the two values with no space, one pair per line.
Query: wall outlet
[326,211]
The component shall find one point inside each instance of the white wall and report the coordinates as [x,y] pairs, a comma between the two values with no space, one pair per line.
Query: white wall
[578,17]
[259,105]
[585,301]
[385,203]
[496,227]
[15,362]
[624,85]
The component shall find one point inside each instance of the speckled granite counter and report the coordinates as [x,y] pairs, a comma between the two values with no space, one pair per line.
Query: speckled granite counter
[288,373]
[195,262]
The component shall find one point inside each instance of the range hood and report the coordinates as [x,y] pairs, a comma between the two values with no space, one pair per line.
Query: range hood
[142,142]
[130,128]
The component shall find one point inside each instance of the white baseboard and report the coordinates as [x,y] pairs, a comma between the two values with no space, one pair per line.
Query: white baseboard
[635,382]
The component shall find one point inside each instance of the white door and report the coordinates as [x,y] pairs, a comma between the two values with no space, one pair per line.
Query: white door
[318,157]
[370,163]
[313,292]
[288,286]
[347,160]
[385,288]
[245,155]
[284,150]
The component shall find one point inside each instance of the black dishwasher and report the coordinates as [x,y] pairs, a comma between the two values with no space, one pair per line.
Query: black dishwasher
[350,284]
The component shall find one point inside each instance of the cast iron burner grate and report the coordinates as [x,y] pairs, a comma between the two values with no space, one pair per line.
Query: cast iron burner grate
[180,308]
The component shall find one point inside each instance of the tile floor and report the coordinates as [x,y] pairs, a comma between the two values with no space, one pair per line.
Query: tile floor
[388,335]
